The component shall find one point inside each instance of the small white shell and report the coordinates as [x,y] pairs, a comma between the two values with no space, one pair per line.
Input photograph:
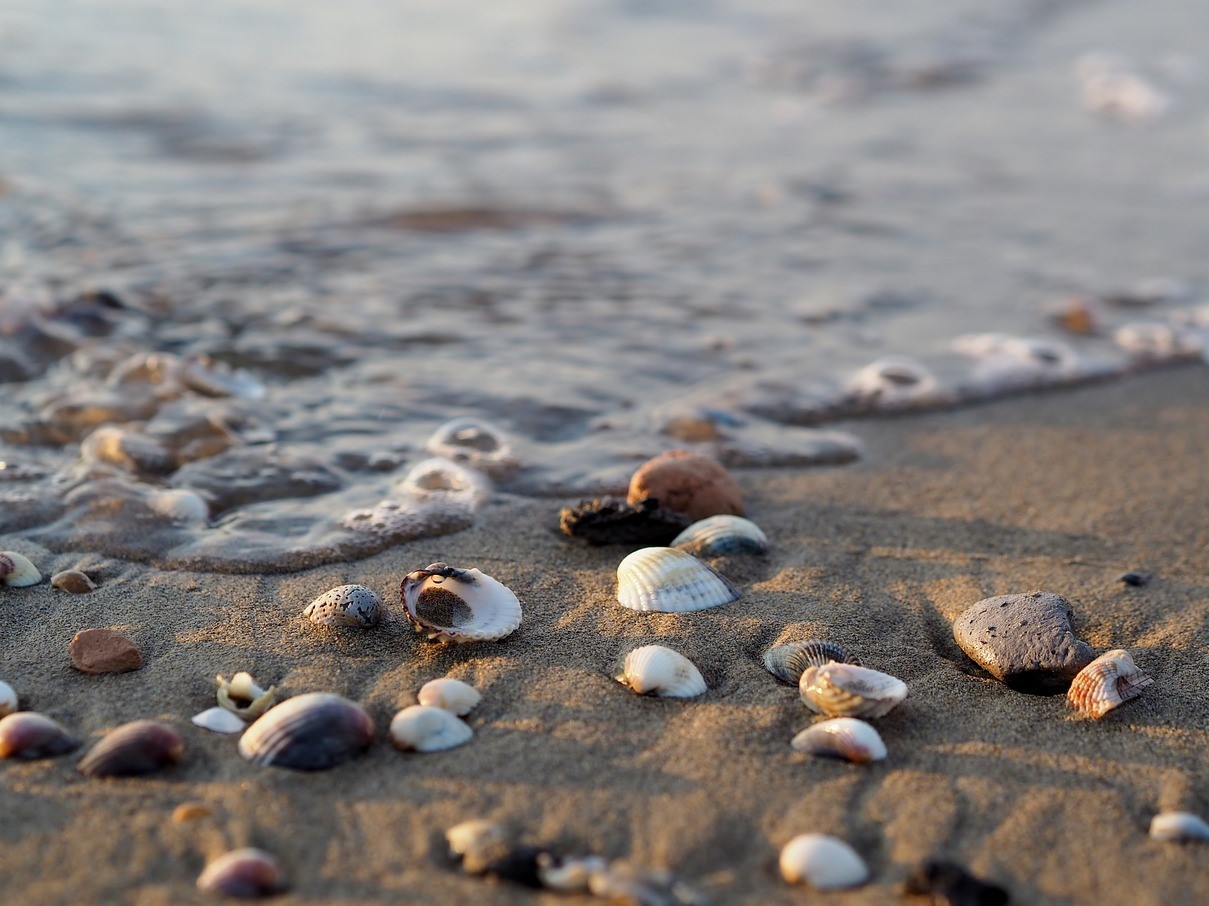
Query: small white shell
[445,481]
[823,862]
[180,505]
[242,697]
[425,729]
[841,737]
[666,580]
[845,690]
[450,695]
[219,720]
[459,605]
[1035,353]
[1178,826]
[476,835]
[1106,683]
[475,443]
[892,382]
[723,534]
[8,699]
[656,670]
[16,570]
[346,605]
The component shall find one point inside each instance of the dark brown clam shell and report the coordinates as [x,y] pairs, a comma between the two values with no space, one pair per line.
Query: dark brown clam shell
[28,735]
[311,732]
[243,873]
[135,748]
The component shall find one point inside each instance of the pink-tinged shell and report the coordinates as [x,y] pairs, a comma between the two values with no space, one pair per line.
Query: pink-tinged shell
[845,738]
[244,873]
[459,605]
[846,690]
[135,748]
[311,732]
[1106,683]
[28,735]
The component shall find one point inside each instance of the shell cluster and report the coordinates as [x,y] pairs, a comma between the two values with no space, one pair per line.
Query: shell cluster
[789,661]
[823,862]
[657,670]
[845,690]
[1106,683]
[311,732]
[346,605]
[667,580]
[721,535]
[845,738]
[459,605]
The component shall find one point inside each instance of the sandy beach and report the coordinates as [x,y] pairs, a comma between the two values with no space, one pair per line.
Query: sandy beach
[1059,492]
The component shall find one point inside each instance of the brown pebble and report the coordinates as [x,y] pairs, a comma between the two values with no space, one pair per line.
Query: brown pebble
[104,651]
[74,581]
[688,483]
[191,811]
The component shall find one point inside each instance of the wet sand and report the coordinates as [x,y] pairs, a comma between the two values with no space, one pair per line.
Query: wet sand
[1061,492]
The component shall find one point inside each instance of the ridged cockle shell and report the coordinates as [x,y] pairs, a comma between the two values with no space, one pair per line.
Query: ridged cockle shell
[666,580]
[823,862]
[422,728]
[1106,683]
[242,873]
[845,690]
[459,605]
[311,732]
[346,605]
[27,735]
[845,738]
[74,581]
[450,695]
[135,748]
[789,661]
[17,570]
[719,535]
[657,670]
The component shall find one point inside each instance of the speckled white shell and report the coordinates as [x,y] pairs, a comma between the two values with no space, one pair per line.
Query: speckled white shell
[450,695]
[823,862]
[657,670]
[845,738]
[1106,683]
[716,536]
[666,580]
[17,570]
[219,720]
[346,605]
[422,728]
[492,611]
[1178,826]
[845,690]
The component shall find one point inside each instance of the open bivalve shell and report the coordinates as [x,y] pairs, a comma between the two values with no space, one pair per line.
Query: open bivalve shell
[823,862]
[789,661]
[1106,683]
[450,695]
[311,732]
[27,735]
[845,690]
[717,536]
[242,697]
[242,873]
[845,738]
[17,570]
[8,700]
[422,728]
[656,670]
[1178,826]
[346,605]
[459,605]
[667,580]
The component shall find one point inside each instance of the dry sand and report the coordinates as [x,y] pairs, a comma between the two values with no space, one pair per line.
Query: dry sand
[1060,492]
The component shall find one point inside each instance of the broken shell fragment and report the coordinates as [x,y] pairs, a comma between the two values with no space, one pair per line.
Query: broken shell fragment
[219,720]
[28,735]
[845,690]
[823,862]
[8,699]
[474,843]
[1178,826]
[422,728]
[135,748]
[450,695]
[17,570]
[717,536]
[345,605]
[459,605]
[789,661]
[242,697]
[475,443]
[311,732]
[667,580]
[656,670]
[244,873]
[844,738]
[1106,683]
[74,581]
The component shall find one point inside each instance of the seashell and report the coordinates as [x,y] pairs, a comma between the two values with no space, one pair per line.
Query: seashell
[74,581]
[212,378]
[892,382]
[1178,826]
[311,732]
[611,520]
[127,449]
[244,873]
[475,443]
[823,862]
[1155,340]
[450,695]
[134,748]
[8,699]
[346,605]
[1106,683]
[666,580]
[719,535]
[180,505]
[789,661]
[242,697]
[16,570]
[28,735]
[459,605]
[475,842]
[570,874]
[656,670]
[219,720]
[444,481]
[845,690]
[422,728]
[1035,353]
[636,885]
[191,811]
[844,738]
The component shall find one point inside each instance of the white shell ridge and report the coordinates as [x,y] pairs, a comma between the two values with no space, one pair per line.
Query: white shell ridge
[459,605]
[823,862]
[845,690]
[789,661]
[657,670]
[667,580]
[450,695]
[8,699]
[425,729]
[845,738]
[720,535]
[1178,826]
[219,720]
[17,570]
[1106,683]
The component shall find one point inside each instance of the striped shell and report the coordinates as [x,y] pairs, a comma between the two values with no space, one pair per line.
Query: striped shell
[310,732]
[459,605]
[346,605]
[8,699]
[242,873]
[135,748]
[656,670]
[823,862]
[717,536]
[422,728]
[845,738]
[845,690]
[789,661]
[450,695]
[27,735]
[667,580]
[1107,682]
[17,570]
[1178,826]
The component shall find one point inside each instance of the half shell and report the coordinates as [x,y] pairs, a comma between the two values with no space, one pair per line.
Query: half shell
[656,670]
[8,699]
[242,697]
[311,732]
[135,748]
[845,690]
[1178,826]
[789,661]
[28,736]
[459,605]
[450,695]
[717,536]
[476,443]
[74,581]
[17,570]
[346,605]
[444,481]
[422,728]
[1106,683]
[667,580]
[844,738]
[823,862]
[243,873]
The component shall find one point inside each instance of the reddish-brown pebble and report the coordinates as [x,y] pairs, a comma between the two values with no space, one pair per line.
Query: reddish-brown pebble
[688,483]
[104,651]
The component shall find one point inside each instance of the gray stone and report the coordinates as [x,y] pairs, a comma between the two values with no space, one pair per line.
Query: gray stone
[1025,641]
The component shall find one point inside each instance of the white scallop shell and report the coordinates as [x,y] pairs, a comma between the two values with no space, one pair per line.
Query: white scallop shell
[892,382]
[439,480]
[823,862]
[17,570]
[841,737]
[720,535]
[666,580]
[220,720]
[450,695]
[459,605]
[426,729]
[845,690]
[656,670]
[1178,826]
[1106,683]
[242,697]
[8,699]
[346,605]
[475,443]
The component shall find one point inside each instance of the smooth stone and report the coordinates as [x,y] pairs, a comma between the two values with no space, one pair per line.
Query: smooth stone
[104,651]
[1025,641]
[688,483]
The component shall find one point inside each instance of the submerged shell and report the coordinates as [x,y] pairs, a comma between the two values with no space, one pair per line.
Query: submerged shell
[74,581]
[656,670]
[219,720]
[244,873]
[422,728]
[311,732]
[892,382]
[667,580]
[28,735]
[841,737]
[450,695]
[346,605]
[845,690]
[1178,826]
[17,570]
[459,605]
[823,862]
[789,661]
[442,480]
[475,841]
[476,443]
[8,699]
[180,505]
[134,748]
[1106,683]
[717,536]
[242,697]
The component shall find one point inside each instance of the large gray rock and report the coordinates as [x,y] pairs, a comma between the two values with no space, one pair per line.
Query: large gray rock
[1025,641]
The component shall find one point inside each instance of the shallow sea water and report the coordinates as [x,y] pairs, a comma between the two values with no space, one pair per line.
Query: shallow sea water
[253,254]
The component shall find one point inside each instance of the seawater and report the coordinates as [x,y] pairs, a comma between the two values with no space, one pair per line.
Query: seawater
[252,254]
